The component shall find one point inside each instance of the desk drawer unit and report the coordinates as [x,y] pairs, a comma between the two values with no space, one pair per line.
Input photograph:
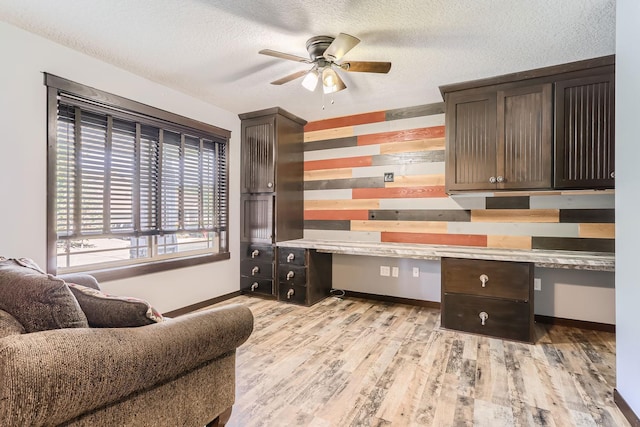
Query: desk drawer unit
[304,275]
[256,269]
[488,297]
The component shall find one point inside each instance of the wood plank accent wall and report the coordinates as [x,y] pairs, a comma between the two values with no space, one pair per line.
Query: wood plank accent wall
[347,198]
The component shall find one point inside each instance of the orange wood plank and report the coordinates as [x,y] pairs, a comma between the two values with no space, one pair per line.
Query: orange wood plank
[597,230]
[428,144]
[336,122]
[333,133]
[345,162]
[398,192]
[435,239]
[403,135]
[342,204]
[327,174]
[400,226]
[515,215]
[509,242]
[337,214]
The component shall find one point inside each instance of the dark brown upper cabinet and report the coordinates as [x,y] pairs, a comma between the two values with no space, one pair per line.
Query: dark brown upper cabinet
[499,139]
[272,176]
[546,128]
[258,155]
[585,149]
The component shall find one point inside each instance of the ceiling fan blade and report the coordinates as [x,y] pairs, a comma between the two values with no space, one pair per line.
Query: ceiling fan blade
[290,77]
[340,46]
[282,55]
[366,66]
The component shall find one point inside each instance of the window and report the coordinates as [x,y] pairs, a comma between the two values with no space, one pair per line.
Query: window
[130,185]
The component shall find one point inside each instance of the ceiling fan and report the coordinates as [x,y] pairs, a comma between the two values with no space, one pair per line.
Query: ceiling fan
[324,51]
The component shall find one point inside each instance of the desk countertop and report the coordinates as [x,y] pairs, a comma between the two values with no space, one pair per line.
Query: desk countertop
[597,261]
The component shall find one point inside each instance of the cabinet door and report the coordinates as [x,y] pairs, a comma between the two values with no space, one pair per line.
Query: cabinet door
[584,132]
[258,155]
[524,137]
[257,218]
[471,141]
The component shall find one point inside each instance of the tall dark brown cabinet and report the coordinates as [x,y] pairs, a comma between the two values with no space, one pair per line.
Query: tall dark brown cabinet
[272,194]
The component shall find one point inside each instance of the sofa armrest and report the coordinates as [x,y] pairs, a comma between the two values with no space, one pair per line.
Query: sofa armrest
[83,279]
[53,376]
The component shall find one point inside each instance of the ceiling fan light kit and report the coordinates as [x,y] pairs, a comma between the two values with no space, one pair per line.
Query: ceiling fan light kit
[324,51]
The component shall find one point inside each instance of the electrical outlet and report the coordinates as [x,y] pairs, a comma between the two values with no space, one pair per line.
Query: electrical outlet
[537,284]
[416,272]
[394,271]
[385,270]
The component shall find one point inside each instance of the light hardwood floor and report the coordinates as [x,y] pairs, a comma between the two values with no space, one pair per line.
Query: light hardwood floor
[357,362]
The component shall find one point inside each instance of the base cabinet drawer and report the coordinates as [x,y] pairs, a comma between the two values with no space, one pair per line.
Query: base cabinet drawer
[303,276]
[255,285]
[488,316]
[292,293]
[257,269]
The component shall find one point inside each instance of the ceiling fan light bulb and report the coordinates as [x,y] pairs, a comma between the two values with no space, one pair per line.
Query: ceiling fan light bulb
[310,81]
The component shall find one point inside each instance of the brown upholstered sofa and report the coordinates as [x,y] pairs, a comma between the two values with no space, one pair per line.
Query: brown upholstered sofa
[173,372]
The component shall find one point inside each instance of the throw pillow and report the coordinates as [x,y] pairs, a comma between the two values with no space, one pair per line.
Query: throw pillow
[108,311]
[37,300]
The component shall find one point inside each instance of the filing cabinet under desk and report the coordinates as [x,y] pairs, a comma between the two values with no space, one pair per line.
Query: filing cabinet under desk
[304,275]
[492,298]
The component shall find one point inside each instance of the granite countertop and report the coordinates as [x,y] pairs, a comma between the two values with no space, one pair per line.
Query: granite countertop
[598,261]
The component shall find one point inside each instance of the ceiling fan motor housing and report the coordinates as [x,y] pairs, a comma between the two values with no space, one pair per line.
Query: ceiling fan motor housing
[317,45]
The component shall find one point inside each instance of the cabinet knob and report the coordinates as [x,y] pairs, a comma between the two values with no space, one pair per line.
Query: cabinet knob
[254,286]
[484,279]
[255,270]
[269,184]
[500,178]
[290,275]
[255,253]
[492,180]
[290,257]
[613,174]
[483,317]
[290,293]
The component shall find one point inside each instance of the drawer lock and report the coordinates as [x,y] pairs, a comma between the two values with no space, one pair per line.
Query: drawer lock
[290,293]
[484,279]
[254,286]
[483,317]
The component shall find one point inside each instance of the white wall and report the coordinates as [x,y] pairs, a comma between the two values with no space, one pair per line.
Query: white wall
[627,201]
[23,154]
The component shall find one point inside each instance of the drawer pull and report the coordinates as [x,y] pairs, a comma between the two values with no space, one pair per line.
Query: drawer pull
[484,279]
[290,257]
[290,293]
[492,180]
[255,253]
[483,317]
[254,286]
[290,275]
[255,270]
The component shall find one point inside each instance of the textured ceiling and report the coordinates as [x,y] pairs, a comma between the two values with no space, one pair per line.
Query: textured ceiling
[209,49]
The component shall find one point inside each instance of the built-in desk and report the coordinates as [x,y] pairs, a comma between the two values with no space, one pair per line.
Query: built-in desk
[596,261]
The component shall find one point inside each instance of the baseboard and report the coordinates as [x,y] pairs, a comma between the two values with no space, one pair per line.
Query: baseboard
[626,409]
[582,324]
[199,305]
[388,298]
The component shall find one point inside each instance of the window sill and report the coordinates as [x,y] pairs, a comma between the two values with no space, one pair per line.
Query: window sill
[116,273]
